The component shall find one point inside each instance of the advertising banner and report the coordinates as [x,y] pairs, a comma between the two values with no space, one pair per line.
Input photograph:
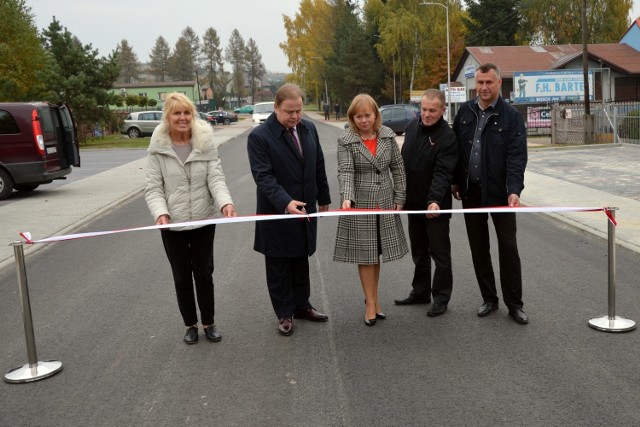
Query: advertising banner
[550,86]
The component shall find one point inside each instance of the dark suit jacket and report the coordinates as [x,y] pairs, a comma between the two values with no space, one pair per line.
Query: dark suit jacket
[430,155]
[282,175]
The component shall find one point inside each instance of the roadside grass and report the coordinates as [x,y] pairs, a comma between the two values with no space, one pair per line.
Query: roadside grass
[115,141]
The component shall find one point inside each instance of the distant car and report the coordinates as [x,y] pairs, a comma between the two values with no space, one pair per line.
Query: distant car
[261,111]
[223,117]
[38,143]
[206,118]
[398,116]
[247,109]
[141,123]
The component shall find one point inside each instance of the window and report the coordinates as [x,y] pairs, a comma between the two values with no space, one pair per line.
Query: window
[8,124]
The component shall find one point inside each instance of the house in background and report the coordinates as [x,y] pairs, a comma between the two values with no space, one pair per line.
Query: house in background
[616,66]
[632,35]
[158,90]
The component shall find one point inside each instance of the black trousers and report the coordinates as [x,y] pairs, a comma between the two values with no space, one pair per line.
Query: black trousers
[190,254]
[288,283]
[509,258]
[429,240]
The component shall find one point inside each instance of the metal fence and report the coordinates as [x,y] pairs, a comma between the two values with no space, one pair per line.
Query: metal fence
[613,123]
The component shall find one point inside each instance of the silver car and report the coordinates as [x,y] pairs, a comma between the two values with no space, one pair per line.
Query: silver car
[141,123]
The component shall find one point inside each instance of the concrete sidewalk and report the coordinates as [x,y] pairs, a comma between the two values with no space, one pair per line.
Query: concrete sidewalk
[601,175]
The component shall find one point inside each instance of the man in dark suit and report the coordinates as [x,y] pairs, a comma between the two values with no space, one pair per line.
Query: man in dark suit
[288,167]
[430,155]
[492,142]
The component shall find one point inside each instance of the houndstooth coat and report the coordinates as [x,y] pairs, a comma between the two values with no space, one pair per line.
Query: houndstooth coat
[370,182]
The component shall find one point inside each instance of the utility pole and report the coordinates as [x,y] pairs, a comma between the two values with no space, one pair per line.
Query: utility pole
[588,117]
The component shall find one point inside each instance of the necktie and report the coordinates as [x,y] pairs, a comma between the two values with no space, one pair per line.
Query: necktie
[295,140]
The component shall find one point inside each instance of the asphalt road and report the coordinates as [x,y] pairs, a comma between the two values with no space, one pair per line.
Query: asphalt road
[106,308]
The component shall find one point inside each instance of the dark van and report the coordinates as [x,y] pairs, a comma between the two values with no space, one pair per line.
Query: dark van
[38,143]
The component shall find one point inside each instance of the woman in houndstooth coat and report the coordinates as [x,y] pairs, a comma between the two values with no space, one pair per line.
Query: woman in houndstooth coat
[371,176]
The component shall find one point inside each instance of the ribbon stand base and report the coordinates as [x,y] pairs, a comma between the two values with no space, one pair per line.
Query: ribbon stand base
[29,373]
[615,324]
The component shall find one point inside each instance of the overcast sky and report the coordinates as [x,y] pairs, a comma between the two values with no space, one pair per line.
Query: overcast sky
[104,23]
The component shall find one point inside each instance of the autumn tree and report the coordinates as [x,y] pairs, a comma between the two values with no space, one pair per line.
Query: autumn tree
[159,59]
[235,54]
[213,65]
[77,76]
[560,23]
[128,62]
[310,35]
[254,67]
[21,54]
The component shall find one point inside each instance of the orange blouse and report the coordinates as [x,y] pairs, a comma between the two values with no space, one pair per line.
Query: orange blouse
[371,144]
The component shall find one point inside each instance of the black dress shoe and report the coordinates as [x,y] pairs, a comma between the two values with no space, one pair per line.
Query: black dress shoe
[211,334]
[486,308]
[518,316]
[436,310]
[285,327]
[369,322]
[311,314]
[191,337]
[411,300]
[381,315]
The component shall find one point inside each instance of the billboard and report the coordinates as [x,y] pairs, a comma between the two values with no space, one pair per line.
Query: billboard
[550,86]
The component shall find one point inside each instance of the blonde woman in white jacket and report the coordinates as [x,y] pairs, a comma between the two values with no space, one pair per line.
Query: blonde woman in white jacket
[185,182]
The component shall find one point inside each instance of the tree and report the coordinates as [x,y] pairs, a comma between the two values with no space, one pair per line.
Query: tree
[193,41]
[492,22]
[128,61]
[353,66]
[77,76]
[253,65]
[309,42]
[213,65]
[22,56]
[560,23]
[159,59]
[235,54]
[181,66]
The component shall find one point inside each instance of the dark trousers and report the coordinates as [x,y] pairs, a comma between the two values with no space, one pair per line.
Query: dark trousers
[288,283]
[429,240]
[509,258]
[190,254]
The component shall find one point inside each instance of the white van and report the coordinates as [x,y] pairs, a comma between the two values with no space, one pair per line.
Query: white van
[261,111]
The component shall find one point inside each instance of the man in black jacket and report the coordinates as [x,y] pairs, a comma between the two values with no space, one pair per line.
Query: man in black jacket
[430,154]
[493,156]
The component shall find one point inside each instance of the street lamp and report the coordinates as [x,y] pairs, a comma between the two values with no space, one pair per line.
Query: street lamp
[446,9]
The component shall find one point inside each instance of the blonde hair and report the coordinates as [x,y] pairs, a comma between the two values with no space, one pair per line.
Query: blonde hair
[363,102]
[174,101]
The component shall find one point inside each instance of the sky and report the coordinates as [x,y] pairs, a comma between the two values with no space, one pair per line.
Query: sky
[104,23]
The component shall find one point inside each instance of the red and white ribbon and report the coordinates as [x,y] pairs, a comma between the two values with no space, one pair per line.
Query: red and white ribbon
[341,212]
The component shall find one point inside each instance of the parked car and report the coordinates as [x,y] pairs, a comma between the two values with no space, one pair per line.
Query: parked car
[398,116]
[223,117]
[206,118]
[247,109]
[261,111]
[141,123]
[38,143]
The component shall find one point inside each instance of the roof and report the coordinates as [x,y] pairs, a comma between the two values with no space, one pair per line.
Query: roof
[188,83]
[510,59]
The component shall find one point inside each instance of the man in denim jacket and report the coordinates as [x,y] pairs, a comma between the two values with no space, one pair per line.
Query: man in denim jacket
[492,153]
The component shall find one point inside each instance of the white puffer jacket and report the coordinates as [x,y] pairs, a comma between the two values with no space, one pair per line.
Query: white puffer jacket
[188,191]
